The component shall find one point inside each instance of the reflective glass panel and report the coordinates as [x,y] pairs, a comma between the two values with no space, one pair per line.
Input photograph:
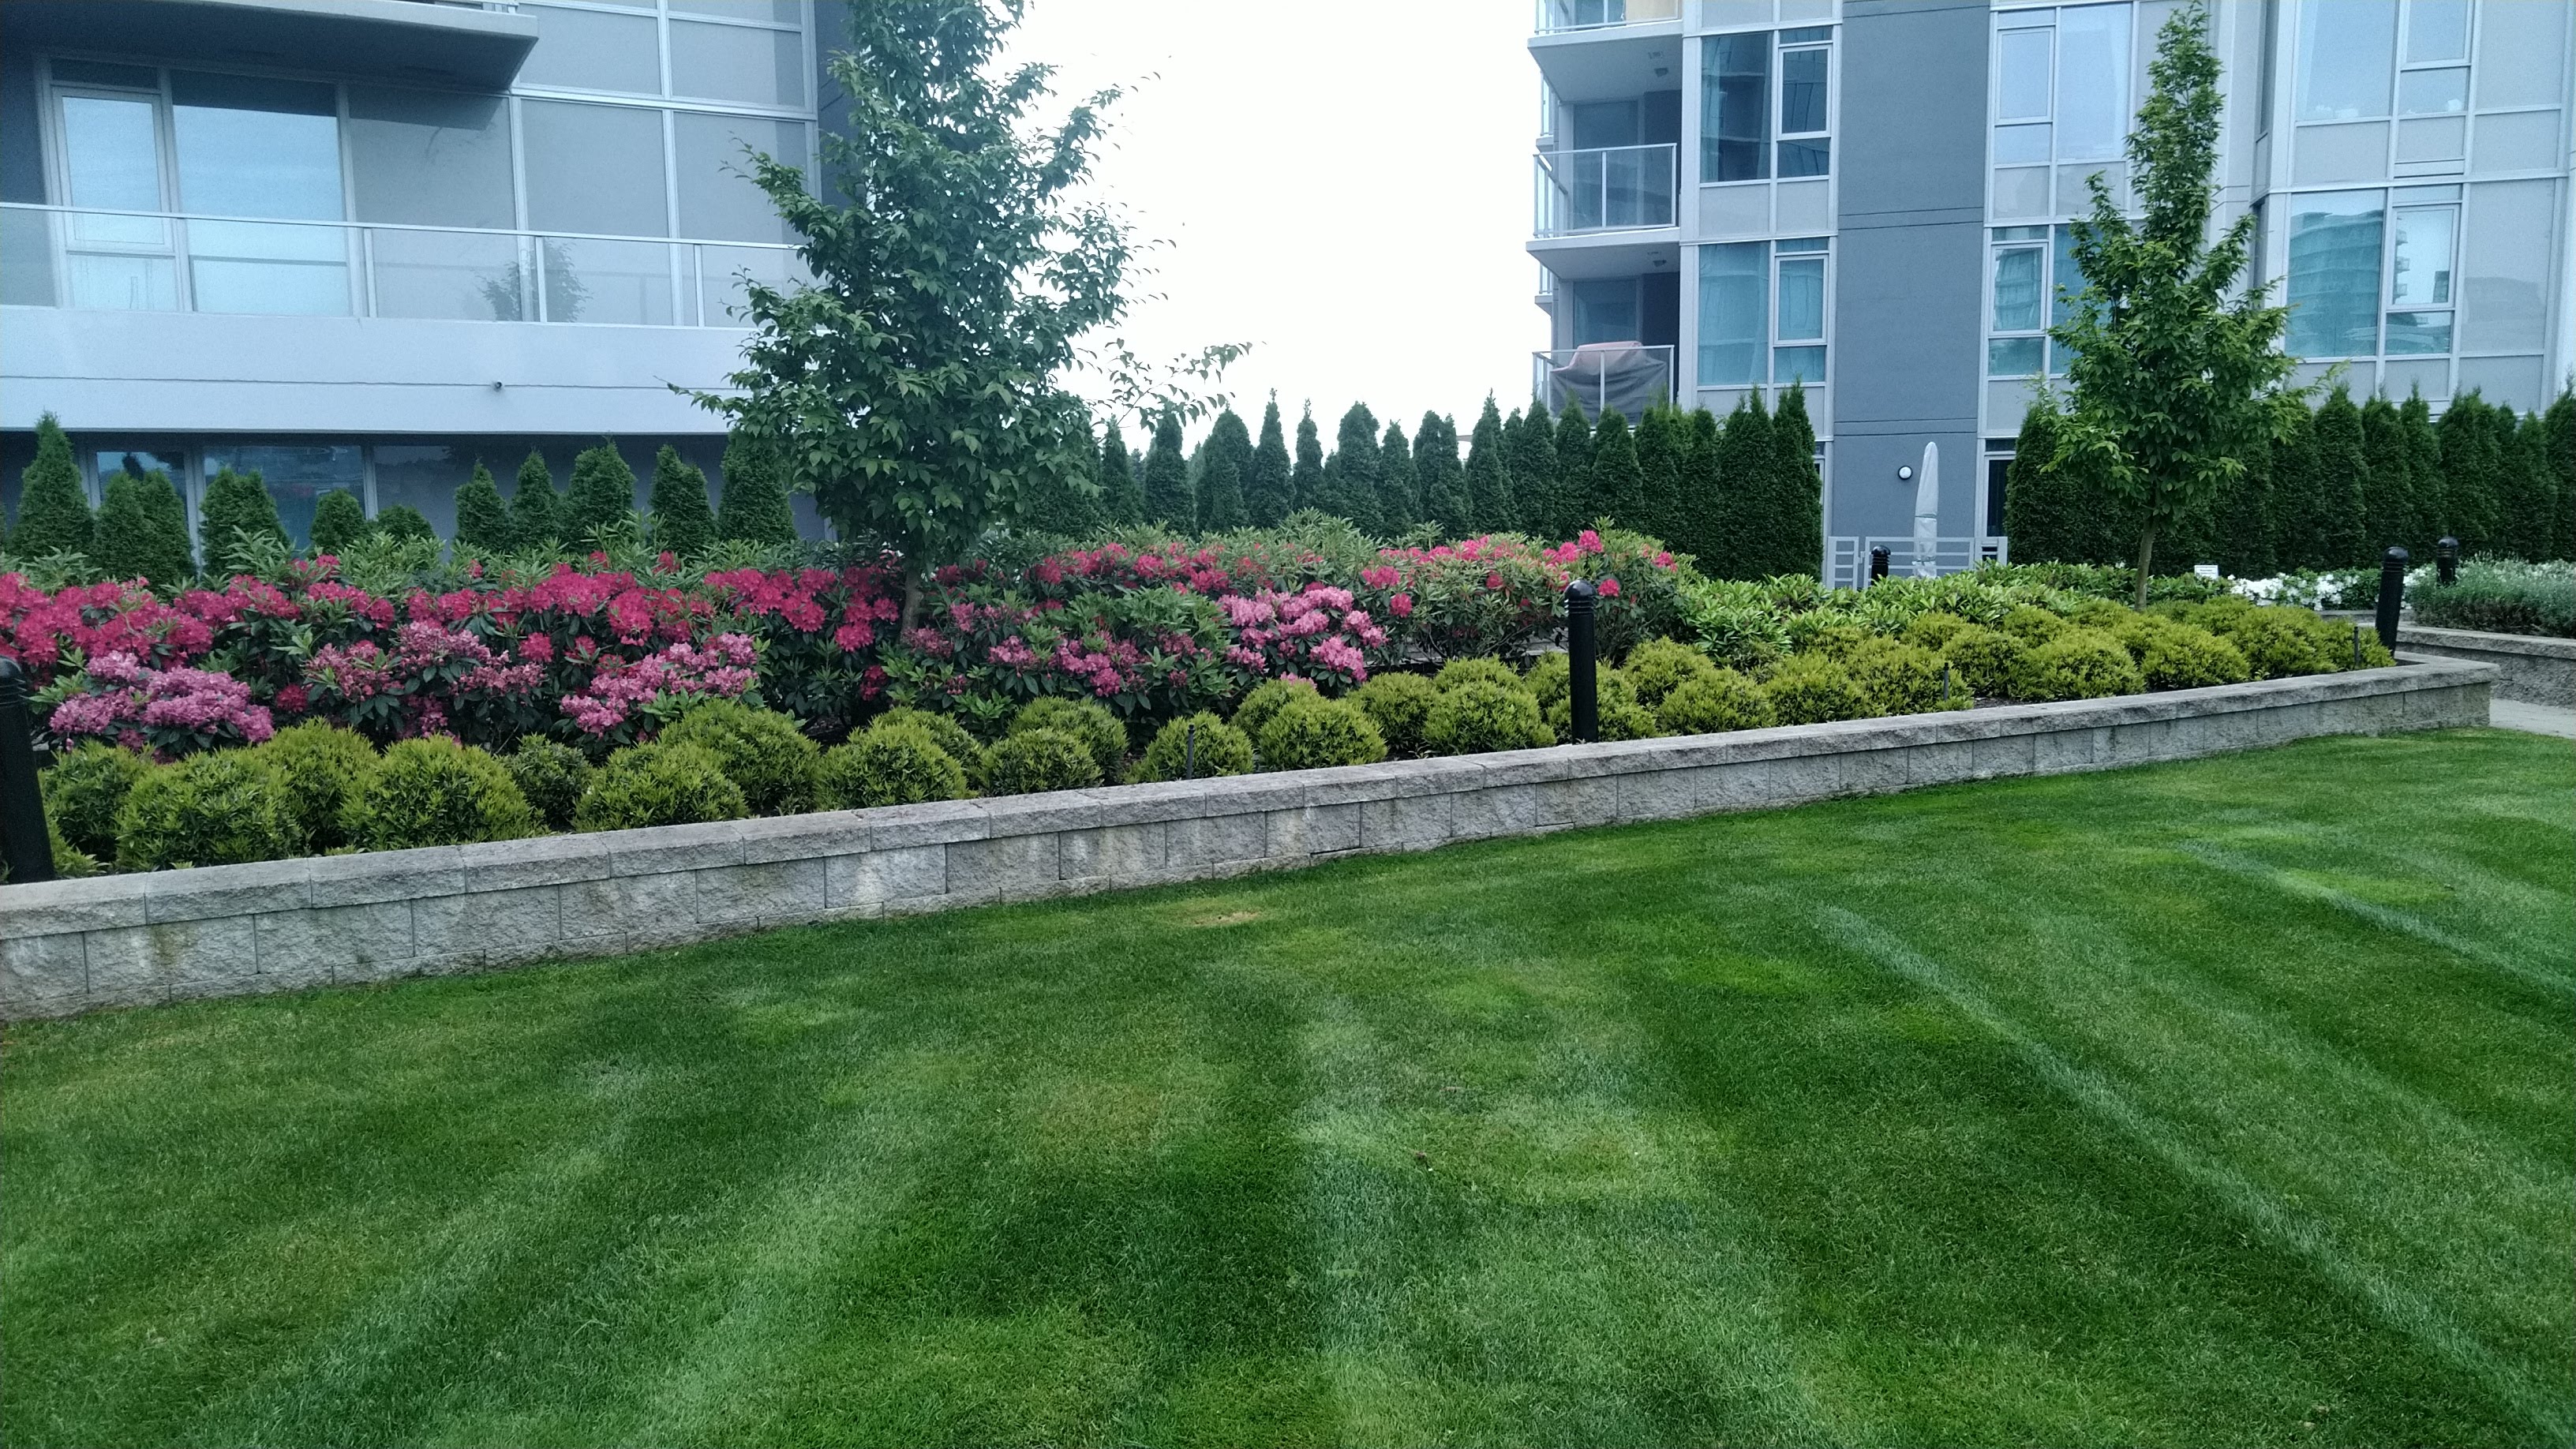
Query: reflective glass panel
[1734,312]
[2016,145]
[464,276]
[594,169]
[2420,263]
[737,63]
[1735,84]
[112,159]
[1802,299]
[1605,310]
[297,476]
[2433,92]
[784,11]
[2347,51]
[589,51]
[1805,158]
[255,146]
[717,198]
[2333,291]
[2437,30]
[2092,81]
[1797,364]
[2017,291]
[430,158]
[2021,75]
[2014,356]
[1802,92]
[2418,332]
[721,276]
[272,269]
[608,281]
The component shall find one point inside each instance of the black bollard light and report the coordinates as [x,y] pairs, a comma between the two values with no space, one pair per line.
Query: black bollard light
[1585,692]
[1878,563]
[2392,595]
[2446,560]
[25,846]
[1190,751]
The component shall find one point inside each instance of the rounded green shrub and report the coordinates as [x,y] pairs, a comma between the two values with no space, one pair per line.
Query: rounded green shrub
[1027,762]
[1903,679]
[323,767]
[1984,659]
[1458,673]
[70,861]
[897,764]
[2179,656]
[435,791]
[1813,689]
[2033,625]
[552,775]
[1315,734]
[1932,630]
[1659,666]
[86,787]
[1399,704]
[1475,718]
[1617,710]
[1826,634]
[1266,699]
[943,730]
[2078,664]
[1551,678]
[760,750]
[2103,614]
[659,784]
[1721,700]
[2278,642]
[1197,746]
[222,807]
[1087,720]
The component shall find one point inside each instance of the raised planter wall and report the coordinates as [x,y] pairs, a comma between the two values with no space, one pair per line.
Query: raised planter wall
[2530,668]
[69,946]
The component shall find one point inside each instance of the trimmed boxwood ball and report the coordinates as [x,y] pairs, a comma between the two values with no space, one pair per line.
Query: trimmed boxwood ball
[1902,679]
[944,732]
[1458,673]
[2033,625]
[1551,678]
[323,768]
[659,784]
[2099,614]
[2182,657]
[1984,659]
[2079,664]
[1267,699]
[1318,733]
[223,807]
[86,787]
[1817,632]
[1621,716]
[1399,704]
[897,764]
[1812,689]
[1029,762]
[760,750]
[1659,666]
[435,791]
[1217,748]
[1722,700]
[552,775]
[2277,643]
[1087,720]
[1933,630]
[1483,715]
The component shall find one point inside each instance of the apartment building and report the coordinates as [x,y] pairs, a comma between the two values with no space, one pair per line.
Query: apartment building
[364,244]
[1871,197]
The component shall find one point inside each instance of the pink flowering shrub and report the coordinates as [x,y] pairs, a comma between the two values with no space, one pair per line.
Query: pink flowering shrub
[628,700]
[172,711]
[1316,634]
[1478,598]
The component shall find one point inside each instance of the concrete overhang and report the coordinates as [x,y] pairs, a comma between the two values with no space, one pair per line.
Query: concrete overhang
[1610,254]
[1614,64]
[399,40]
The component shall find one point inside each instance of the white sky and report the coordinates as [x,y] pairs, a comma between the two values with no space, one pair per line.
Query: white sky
[1345,184]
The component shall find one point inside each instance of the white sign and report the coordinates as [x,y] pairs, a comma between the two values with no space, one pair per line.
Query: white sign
[2206,571]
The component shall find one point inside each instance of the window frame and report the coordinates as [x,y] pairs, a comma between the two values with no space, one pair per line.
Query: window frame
[1769,337]
[1771,146]
[1782,138]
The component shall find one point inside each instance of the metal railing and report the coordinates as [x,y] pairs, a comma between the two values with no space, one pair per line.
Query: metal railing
[1555,17]
[1847,556]
[1606,376]
[52,256]
[1610,188]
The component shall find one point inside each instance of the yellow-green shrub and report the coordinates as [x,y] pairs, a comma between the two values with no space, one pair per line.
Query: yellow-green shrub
[1983,660]
[2079,664]
[1031,761]
[1087,720]
[760,750]
[1398,704]
[435,791]
[1482,715]
[1316,733]
[659,784]
[222,807]
[1266,699]
[1813,689]
[1198,746]
[84,790]
[323,767]
[1722,700]
[896,764]
[1659,666]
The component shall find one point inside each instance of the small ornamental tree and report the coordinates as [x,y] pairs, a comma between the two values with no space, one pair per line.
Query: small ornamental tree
[1306,476]
[1225,462]
[2340,463]
[755,507]
[2298,494]
[1695,507]
[401,520]
[2387,480]
[1493,488]
[142,532]
[1568,493]
[1617,487]
[2038,504]
[1529,462]
[1351,472]
[2558,449]
[2471,458]
[603,493]
[2424,466]
[2530,490]
[1744,455]
[236,505]
[340,521]
[536,509]
[2175,373]
[1662,438]
[1398,501]
[1268,498]
[1443,481]
[1797,490]
[53,507]
[2246,542]
[1122,497]
[1168,499]
[482,518]
[683,524]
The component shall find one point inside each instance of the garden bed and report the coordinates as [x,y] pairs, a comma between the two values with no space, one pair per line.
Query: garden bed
[69,946]
[2531,669]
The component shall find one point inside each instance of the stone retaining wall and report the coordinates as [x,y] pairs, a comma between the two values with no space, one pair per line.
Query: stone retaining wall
[2530,668]
[69,946]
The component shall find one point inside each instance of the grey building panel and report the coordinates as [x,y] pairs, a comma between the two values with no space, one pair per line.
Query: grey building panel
[424,44]
[22,156]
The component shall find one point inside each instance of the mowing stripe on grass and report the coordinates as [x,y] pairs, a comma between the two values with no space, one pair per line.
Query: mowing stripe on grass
[2406,1312]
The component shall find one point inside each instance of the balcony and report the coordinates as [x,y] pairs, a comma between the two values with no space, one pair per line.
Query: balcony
[441,45]
[129,261]
[1614,188]
[1605,376]
[1558,17]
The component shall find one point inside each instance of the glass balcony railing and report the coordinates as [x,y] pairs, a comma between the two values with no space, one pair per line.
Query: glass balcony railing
[127,261]
[1615,188]
[1555,17]
[1625,377]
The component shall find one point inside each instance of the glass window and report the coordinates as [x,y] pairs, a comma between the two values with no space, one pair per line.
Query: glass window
[1802,299]
[609,281]
[1797,364]
[1802,112]
[2066,283]
[594,169]
[717,198]
[1605,310]
[2092,82]
[1734,312]
[2433,92]
[112,159]
[2334,274]
[722,272]
[252,146]
[2015,356]
[2420,262]
[2021,145]
[2347,50]
[426,476]
[784,11]
[2419,332]
[2437,30]
[2018,289]
[111,154]
[463,276]
[1735,85]
[2021,75]
[591,51]
[737,63]
[430,158]
[297,476]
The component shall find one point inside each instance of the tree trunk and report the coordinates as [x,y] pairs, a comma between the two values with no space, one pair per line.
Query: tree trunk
[911,597]
[2146,558]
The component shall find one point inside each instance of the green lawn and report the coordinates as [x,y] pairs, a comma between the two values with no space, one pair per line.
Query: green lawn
[2221,1103]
